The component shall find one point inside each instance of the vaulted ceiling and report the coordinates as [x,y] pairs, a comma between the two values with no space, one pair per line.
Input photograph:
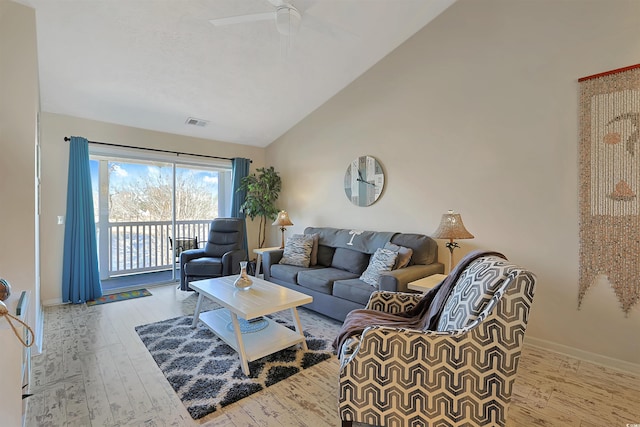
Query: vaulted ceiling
[155,63]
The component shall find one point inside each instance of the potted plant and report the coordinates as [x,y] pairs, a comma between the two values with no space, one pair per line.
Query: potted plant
[262,190]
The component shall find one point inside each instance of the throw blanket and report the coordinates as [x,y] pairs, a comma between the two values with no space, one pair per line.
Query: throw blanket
[424,316]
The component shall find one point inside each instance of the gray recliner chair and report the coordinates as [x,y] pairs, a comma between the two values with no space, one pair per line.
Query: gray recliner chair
[221,255]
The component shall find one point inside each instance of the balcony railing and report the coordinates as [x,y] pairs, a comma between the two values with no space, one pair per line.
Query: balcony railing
[138,247]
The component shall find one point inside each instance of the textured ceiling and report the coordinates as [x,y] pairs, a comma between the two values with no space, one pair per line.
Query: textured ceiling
[154,63]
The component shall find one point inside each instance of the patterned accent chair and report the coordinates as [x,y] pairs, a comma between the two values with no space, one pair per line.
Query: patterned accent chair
[461,374]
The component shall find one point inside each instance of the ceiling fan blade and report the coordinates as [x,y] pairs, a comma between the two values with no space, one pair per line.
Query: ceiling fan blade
[243,18]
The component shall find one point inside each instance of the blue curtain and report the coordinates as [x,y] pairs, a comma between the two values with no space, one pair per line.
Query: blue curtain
[80,275]
[239,169]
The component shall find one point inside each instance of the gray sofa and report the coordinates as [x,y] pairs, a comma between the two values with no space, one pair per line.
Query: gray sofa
[342,256]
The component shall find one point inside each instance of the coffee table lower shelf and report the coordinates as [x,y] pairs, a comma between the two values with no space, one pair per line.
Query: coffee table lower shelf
[251,345]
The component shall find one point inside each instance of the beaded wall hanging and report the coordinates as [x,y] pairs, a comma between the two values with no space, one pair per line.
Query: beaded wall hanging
[609,168]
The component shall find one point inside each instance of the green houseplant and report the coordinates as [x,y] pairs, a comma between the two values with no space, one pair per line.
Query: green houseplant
[262,190]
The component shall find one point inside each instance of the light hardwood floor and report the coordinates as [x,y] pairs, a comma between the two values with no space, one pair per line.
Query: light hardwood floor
[94,371]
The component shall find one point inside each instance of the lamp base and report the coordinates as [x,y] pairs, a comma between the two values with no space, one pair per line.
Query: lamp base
[282,244]
[451,245]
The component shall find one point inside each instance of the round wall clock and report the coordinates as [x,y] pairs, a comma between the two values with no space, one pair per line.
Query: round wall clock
[364,181]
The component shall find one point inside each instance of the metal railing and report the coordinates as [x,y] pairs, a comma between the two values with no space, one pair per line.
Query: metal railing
[138,247]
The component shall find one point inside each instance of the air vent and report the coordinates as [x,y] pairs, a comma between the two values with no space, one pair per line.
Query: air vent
[196,122]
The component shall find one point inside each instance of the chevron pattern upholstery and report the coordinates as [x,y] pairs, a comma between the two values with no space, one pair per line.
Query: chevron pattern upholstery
[461,376]
[474,289]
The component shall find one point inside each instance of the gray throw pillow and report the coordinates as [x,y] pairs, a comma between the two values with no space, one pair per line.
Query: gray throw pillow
[297,250]
[325,255]
[382,260]
[404,255]
[349,260]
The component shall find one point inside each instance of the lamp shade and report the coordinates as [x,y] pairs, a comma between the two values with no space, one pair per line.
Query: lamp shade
[282,220]
[451,227]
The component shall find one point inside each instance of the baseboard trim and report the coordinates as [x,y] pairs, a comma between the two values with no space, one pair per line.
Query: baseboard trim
[598,359]
[58,301]
[54,301]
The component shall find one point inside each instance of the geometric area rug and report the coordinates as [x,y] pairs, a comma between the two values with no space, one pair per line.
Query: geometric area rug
[206,373]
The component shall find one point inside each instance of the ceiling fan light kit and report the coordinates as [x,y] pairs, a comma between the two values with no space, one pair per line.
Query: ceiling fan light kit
[288,20]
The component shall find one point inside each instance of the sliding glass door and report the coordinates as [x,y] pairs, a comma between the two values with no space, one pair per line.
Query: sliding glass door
[149,210]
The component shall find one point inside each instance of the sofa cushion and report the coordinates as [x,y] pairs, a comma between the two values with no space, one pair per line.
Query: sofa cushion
[349,260]
[404,255]
[206,266]
[352,290]
[474,288]
[287,273]
[425,249]
[359,240]
[325,255]
[322,279]
[381,260]
[297,250]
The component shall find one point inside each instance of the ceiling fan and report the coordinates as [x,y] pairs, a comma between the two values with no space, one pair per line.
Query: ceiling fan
[286,16]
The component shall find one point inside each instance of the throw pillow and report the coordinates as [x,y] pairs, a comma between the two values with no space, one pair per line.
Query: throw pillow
[297,250]
[472,292]
[349,260]
[404,255]
[314,248]
[382,260]
[325,255]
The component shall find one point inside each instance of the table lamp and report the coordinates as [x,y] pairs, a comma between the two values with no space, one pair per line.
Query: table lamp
[451,227]
[282,221]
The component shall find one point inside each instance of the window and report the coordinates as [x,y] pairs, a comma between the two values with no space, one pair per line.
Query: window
[142,205]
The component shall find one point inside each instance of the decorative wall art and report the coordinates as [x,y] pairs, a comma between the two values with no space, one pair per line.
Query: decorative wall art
[609,168]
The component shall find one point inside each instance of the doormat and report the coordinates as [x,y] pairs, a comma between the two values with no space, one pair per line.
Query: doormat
[120,296]
[206,373]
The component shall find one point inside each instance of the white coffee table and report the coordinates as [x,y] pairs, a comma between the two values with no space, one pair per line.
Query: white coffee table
[261,299]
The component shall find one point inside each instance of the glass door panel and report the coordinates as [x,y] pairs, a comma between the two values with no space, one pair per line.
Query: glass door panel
[148,211]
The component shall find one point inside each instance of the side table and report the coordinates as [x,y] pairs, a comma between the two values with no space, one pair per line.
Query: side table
[426,283]
[259,252]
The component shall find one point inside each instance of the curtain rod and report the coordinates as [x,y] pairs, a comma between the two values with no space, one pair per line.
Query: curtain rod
[66,138]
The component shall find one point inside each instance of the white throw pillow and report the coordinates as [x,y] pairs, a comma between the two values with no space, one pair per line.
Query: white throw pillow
[382,260]
[297,250]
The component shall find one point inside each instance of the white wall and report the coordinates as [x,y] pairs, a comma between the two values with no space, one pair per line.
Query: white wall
[18,118]
[478,113]
[55,154]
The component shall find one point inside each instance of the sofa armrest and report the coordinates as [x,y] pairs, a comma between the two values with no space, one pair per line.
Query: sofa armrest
[191,254]
[397,280]
[185,257]
[231,261]
[268,259]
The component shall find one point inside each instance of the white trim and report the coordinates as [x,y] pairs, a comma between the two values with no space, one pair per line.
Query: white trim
[54,301]
[39,338]
[587,356]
